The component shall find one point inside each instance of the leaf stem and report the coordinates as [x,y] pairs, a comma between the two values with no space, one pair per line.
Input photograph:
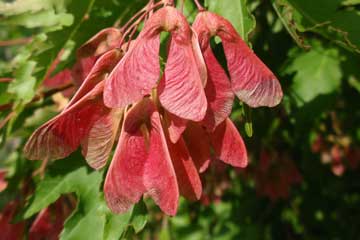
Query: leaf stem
[199,6]
[6,80]
[15,42]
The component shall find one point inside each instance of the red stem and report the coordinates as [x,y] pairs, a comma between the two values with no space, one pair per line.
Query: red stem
[135,25]
[199,6]
[5,80]
[125,26]
[15,42]
[6,119]
[182,5]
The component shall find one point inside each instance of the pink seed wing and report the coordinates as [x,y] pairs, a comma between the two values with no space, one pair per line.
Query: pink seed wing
[60,79]
[97,74]
[181,91]
[229,145]
[124,181]
[136,74]
[198,144]
[96,148]
[82,68]
[61,135]
[200,62]
[3,183]
[141,166]
[159,178]
[124,184]
[252,81]
[218,92]
[185,169]
[103,41]
[176,126]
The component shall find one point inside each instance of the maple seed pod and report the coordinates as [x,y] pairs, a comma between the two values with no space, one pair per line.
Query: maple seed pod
[251,81]
[180,90]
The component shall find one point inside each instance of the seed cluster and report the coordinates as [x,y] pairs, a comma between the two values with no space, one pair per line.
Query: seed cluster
[168,124]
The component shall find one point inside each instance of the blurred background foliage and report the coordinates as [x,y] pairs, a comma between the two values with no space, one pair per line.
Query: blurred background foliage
[303,178]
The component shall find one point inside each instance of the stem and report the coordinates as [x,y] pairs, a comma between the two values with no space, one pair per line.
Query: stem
[54,64]
[136,23]
[199,6]
[150,12]
[182,3]
[138,14]
[130,37]
[15,42]
[41,170]
[6,80]
[6,119]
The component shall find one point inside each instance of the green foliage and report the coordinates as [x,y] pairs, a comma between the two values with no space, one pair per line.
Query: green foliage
[317,72]
[69,176]
[24,83]
[325,18]
[237,12]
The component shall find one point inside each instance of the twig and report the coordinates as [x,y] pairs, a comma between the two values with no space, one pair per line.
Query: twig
[135,24]
[13,42]
[199,6]
[6,119]
[5,80]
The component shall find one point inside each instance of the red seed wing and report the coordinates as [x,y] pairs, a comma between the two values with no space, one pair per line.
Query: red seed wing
[59,80]
[200,62]
[62,135]
[3,182]
[141,164]
[136,74]
[218,92]
[198,144]
[159,178]
[97,146]
[124,181]
[181,91]
[229,145]
[103,41]
[97,74]
[176,126]
[186,173]
[252,81]
[82,68]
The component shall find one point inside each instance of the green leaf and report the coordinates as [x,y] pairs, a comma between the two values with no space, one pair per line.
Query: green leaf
[139,217]
[91,219]
[285,13]
[190,10]
[325,18]
[59,39]
[52,187]
[316,72]
[350,2]
[24,83]
[30,6]
[355,83]
[116,225]
[88,222]
[237,12]
[46,18]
